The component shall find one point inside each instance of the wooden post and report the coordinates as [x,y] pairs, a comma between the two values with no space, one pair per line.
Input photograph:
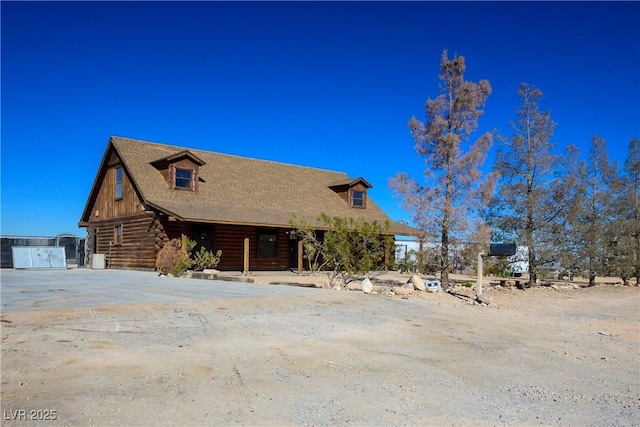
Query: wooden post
[300,249]
[386,259]
[246,256]
[479,280]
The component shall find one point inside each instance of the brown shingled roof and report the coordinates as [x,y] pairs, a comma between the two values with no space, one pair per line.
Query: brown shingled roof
[240,190]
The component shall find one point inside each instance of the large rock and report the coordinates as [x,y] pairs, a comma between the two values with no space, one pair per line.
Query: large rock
[417,282]
[367,286]
[401,290]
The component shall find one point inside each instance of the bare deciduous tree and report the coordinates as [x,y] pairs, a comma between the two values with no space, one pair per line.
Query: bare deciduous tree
[453,184]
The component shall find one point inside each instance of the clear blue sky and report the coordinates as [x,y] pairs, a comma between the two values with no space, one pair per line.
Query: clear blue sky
[328,85]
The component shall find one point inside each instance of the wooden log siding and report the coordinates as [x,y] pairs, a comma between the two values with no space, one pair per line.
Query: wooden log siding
[137,249]
[230,239]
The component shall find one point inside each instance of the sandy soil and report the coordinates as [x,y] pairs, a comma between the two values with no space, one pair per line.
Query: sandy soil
[535,357]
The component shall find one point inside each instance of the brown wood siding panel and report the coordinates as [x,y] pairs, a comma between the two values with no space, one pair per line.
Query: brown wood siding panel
[230,239]
[137,249]
[106,204]
[173,229]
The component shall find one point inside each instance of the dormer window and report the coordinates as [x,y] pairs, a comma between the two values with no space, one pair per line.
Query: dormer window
[184,178]
[180,170]
[357,199]
[353,191]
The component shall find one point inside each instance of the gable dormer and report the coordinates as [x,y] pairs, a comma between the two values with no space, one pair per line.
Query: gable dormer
[180,170]
[352,191]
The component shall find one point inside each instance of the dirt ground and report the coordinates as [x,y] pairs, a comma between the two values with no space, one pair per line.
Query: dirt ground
[537,357]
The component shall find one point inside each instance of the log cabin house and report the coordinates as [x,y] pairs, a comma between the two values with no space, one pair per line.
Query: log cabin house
[145,194]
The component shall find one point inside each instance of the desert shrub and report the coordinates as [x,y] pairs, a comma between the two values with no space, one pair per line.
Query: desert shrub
[499,268]
[206,259]
[312,243]
[174,257]
[356,247]
[349,248]
[181,265]
[409,262]
[546,274]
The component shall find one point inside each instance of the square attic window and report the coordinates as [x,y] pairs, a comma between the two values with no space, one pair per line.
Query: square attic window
[184,178]
[357,199]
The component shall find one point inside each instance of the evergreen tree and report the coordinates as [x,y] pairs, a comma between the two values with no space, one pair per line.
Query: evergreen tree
[533,190]
[590,221]
[626,223]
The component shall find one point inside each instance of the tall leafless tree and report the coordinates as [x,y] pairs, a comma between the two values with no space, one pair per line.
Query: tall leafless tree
[444,205]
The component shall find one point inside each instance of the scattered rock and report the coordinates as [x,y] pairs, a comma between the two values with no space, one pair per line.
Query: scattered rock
[381,289]
[417,282]
[401,290]
[484,299]
[367,286]
[353,286]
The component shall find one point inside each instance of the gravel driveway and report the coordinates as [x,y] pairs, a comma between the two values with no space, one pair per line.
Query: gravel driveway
[536,357]
[27,290]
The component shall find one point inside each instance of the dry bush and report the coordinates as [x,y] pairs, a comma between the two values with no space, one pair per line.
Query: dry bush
[174,257]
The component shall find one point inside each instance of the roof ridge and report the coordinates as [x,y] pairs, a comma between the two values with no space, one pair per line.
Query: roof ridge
[180,147]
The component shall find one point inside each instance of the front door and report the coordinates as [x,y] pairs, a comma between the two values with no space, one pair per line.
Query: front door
[293,253]
[203,235]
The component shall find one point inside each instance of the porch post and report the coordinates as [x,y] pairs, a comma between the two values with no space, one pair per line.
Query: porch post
[300,249]
[246,256]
